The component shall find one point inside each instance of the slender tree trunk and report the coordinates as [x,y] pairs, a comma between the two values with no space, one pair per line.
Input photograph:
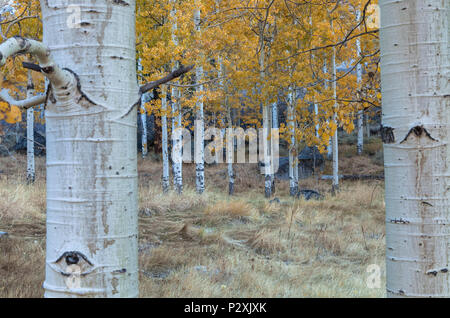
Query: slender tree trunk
[177,163]
[266,125]
[274,126]
[91,151]
[293,155]
[329,147]
[415,65]
[360,142]
[316,113]
[143,113]
[164,141]
[199,135]
[30,133]
[230,150]
[367,125]
[144,137]
[334,139]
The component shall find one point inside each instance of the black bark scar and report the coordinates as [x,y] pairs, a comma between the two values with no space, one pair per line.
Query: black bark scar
[71,256]
[418,131]
[83,95]
[387,134]
[121,2]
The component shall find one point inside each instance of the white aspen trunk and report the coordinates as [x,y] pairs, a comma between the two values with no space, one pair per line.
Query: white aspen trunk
[199,135]
[144,137]
[266,127]
[91,151]
[143,114]
[177,165]
[230,151]
[360,142]
[293,155]
[316,112]
[275,115]
[31,174]
[274,125]
[367,125]
[334,139]
[415,65]
[164,141]
[329,147]
[230,142]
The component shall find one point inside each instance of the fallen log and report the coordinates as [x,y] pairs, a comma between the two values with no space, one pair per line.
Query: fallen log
[355,177]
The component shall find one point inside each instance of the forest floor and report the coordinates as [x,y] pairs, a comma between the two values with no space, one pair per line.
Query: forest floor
[212,245]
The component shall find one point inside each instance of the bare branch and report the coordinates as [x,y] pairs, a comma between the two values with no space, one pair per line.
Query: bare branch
[25,103]
[19,45]
[177,73]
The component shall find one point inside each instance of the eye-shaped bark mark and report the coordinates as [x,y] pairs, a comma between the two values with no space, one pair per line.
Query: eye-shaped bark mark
[121,3]
[72,258]
[387,134]
[418,131]
[82,94]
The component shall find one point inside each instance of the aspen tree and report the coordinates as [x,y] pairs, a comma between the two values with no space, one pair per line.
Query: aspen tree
[88,56]
[415,64]
[31,173]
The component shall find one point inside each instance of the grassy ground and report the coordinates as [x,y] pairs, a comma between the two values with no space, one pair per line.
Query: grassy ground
[216,246]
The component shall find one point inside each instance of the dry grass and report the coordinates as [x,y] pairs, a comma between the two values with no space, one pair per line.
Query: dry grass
[214,246]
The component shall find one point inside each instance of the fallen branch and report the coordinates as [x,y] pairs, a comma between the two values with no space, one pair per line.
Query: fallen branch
[355,177]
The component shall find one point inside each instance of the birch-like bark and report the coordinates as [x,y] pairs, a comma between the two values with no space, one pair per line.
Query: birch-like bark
[360,128]
[177,165]
[31,174]
[143,112]
[91,150]
[415,64]
[334,139]
[367,125]
[330,142]
[266,125]
[293,155]
[316,113]
[143,115]
[164,141]
[199,135]
[229,132]
[230,150]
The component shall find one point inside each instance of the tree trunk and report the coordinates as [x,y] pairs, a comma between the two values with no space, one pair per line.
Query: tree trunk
[367,125]
[91,151]
[274,126]
[414,76]
[30,133]
[199,135]
[266,127]
[164,141]
[293,155]
[334,139]
[177,149]
[144,138]
[230,150]
[360,142]
[329,147]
